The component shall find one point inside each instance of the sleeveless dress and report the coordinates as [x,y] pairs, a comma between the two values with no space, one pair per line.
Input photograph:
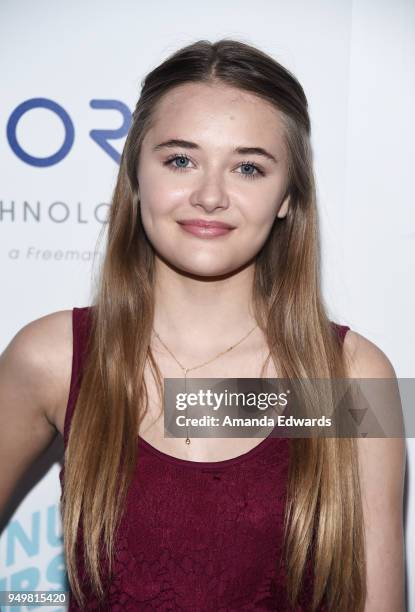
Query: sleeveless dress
[196,536]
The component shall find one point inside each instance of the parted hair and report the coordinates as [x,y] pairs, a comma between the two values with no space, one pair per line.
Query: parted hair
[323,511]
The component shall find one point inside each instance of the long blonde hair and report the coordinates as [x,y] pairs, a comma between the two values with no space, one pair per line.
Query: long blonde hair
[323,509]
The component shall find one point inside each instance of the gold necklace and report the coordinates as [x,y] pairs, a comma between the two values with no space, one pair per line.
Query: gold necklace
[186,370]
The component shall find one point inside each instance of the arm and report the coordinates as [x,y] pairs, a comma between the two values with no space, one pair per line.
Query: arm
[382,472]
[30,389]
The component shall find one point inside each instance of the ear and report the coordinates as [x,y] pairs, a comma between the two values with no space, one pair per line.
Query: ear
[284,207]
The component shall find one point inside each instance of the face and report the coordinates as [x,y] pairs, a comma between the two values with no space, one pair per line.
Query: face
[193,165]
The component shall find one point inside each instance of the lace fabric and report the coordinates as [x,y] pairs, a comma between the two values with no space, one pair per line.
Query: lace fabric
[196,537]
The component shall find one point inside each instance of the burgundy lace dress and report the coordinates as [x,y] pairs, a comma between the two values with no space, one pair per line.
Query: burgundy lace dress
[196,536]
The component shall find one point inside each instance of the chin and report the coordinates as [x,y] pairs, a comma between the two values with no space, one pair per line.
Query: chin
[203,269]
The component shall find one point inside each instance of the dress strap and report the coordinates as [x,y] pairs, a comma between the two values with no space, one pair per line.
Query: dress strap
[341,330]
[80,326]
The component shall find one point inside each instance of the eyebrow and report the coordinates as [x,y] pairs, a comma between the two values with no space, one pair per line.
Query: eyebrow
[186,144]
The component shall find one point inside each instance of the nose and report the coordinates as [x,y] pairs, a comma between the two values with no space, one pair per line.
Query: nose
[210,194]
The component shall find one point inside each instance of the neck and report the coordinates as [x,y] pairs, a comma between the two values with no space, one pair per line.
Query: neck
[208,313]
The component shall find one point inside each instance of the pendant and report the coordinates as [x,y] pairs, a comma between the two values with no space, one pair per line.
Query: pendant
[185,375]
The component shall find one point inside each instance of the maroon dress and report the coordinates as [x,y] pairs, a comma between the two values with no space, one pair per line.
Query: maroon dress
[196,536]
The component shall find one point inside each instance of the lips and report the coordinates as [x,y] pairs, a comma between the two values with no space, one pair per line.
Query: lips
[205,229]
[207,224]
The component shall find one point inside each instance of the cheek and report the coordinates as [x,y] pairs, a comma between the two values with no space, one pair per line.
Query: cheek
[157,215]
[155,205]
[260,215]
[158,198]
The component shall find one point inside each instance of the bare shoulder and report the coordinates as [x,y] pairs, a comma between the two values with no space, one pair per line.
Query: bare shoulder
[40,355]
[365,359]
[382,473]
[35,369]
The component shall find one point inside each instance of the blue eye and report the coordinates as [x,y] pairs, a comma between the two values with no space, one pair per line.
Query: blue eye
[183,159]
[251,165]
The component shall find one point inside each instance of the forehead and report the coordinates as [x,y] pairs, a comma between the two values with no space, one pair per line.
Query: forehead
[217,112]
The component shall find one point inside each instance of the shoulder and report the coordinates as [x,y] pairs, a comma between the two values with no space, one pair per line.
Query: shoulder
[40,340]
[40,356]
[382,464]
[382,459]
[364,359]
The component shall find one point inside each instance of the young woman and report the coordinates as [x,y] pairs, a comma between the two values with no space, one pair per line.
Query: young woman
[211,267]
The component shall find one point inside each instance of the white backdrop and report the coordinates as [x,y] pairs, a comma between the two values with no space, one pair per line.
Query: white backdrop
[355,61]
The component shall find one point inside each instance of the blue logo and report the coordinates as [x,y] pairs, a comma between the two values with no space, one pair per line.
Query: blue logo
[102,137]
